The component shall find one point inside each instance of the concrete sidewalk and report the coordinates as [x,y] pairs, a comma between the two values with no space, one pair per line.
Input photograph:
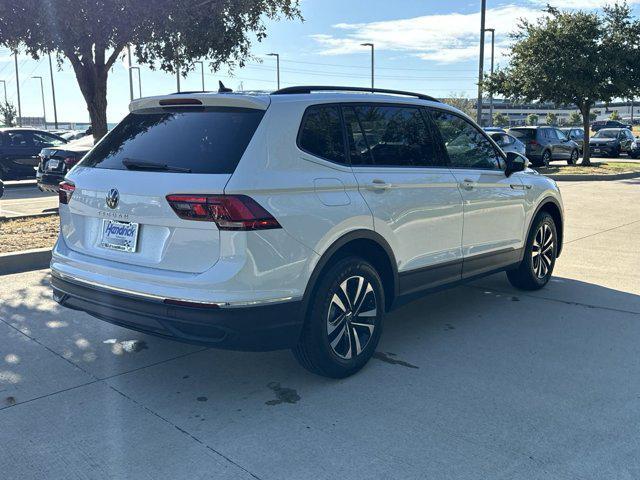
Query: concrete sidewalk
[481,381]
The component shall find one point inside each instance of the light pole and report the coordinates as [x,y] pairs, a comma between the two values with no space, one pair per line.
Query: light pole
[277,55]
[493,44]
[372,60]
[44,111]
[201,72]
[481,66]
[53,93]
[130,73]
[4,84]
[139,79]
[15,54]
[178,76]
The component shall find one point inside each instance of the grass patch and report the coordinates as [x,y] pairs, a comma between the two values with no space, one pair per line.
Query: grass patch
[596,168]
[28,233]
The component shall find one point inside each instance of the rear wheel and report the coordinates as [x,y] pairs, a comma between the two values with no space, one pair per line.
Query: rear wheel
[541,249]
[546,158]
[344,322]
[574,158]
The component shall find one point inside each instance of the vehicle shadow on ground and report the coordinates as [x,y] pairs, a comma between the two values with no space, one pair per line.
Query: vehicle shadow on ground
[431,330]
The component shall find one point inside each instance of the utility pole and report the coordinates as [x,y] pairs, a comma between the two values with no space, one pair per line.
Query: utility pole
[481,66]
[130,73]
[139,79]
[372,62]
[178,77]
[53,93]
[493,43]
[201,72]
[44,110]
[277,55]
[4,84]
[15,53]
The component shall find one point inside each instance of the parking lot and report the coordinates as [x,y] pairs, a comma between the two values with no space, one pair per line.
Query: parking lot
[480,381]
[26,199]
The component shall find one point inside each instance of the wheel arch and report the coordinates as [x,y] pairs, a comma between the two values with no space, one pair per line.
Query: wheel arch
[551,206]
[368,245]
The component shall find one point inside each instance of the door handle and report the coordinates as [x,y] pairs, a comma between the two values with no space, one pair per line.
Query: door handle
[467,184]
[517,186]
[378,184]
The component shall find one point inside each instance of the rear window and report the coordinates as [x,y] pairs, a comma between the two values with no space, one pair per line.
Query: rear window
[208,140]
[321,133]
[523,133]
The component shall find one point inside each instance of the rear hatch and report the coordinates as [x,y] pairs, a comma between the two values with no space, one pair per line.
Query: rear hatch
[119,210]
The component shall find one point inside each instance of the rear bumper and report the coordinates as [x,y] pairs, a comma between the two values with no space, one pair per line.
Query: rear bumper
[48,182]
[254,328]
[602,150]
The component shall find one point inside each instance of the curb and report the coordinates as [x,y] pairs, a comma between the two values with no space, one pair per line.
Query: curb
[27,260]
[592,178]
[10,184]
[33,215]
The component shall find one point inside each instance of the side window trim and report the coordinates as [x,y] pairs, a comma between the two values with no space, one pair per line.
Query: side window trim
[498,152]
[346,134]
[345,149]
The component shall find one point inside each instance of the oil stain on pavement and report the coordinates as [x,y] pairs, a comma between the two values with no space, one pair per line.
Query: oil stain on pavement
[283,395]
[387,357]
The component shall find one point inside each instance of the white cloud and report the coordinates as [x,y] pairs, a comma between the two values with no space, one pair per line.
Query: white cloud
[579,4]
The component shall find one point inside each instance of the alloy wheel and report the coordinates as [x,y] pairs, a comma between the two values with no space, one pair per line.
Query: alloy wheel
[542,251]
[574,157]
[546,159]
[352,315]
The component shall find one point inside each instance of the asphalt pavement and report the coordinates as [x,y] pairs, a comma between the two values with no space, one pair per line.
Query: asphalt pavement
[478,382]
[26,199]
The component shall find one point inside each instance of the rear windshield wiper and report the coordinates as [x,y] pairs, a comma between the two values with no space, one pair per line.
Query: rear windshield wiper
[142,165]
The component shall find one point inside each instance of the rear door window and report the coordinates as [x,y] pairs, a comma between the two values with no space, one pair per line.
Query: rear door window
[390,136]
[321,133]
[207,140]
[19,139]
[523,134]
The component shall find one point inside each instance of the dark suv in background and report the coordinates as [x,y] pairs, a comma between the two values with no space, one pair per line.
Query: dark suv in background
[611,142]
[600,124]
[545,144]
[19,149]
[55,162]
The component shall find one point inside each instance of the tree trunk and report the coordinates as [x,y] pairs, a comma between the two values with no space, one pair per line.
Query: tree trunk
[97,106]
[92,80]
[586,152]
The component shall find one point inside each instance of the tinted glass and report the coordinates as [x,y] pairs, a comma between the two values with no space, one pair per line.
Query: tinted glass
[523,133]
[321,133]
[19,139]
[395,136]
[560,135]
[209,140]
[358,147]
[46,140]
[606,134]
[466,146]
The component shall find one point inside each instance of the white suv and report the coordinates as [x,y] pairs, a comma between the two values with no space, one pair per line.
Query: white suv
[295,219]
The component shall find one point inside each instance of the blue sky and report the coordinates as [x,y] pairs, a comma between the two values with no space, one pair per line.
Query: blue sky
[428,46]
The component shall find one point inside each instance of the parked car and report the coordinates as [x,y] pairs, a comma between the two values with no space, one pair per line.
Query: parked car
[611,142]
[575,134]
[545,144]
[294,220]
[635,149]
[508,143]
[19,148]
[1,188]
[55,162]
[494,129]
[600,124]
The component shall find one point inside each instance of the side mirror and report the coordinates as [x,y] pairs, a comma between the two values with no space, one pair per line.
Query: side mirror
[515,163]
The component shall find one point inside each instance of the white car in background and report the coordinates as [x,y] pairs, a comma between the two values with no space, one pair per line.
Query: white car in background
[294,220]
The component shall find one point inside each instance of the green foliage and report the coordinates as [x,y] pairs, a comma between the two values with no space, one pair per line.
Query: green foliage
[500,119]
[551,118]
[532,119]
[8,114]
[166,34]
[573,57]
[575,119]
[614,115]
[462,103]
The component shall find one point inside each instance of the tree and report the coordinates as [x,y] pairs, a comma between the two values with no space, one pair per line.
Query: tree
[543,64]
[593,116]
[8,113]
[614,115]
[462,103]
[168,34]
[500,119]
[574,119]
[532,119]
[551,118]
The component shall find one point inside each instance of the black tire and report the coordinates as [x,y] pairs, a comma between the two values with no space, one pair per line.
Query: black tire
[546,158]
[615,153]
[535,271]
[324,352]
[573,160]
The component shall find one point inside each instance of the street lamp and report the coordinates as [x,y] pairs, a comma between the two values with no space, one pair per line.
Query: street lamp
[139,79]
[372,60]
[277,55]
[201,72]
[483,10]
[53,94]
[44,111]
[493,43]
[4,84]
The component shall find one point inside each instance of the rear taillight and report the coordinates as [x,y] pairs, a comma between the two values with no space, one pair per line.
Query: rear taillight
[532,142]
[65,190]
[70,161]
[229,212]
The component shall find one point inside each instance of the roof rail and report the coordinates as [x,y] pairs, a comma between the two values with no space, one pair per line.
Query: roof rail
[309,89]
[190,92]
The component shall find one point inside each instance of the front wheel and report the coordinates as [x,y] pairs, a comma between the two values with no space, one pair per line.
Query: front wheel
[574,158]
[546,158]
[344,322]
[536,268]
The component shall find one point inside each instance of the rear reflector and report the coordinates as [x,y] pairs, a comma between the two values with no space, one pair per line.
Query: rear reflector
[229,212]
[65,190]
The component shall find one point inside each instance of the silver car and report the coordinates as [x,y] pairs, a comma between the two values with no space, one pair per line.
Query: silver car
[508,143]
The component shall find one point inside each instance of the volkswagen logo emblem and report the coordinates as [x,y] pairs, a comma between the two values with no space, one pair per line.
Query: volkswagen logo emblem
[112,198]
